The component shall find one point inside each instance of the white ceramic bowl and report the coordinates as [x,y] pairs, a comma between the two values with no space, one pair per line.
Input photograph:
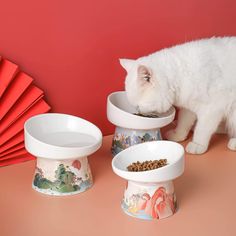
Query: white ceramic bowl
[61,144]
[120,113]
[150,194]
[173,152]
[60,136]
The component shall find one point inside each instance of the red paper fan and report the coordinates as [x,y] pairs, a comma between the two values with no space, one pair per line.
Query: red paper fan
[19,100]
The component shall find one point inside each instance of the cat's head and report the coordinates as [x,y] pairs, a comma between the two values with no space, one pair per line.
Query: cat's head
[146,89]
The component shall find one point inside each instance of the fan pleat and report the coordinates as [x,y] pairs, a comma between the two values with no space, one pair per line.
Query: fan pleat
[20,99]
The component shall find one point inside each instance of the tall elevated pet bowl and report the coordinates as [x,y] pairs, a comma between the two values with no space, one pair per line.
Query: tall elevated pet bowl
[150,194]
[132,129]
[61,144]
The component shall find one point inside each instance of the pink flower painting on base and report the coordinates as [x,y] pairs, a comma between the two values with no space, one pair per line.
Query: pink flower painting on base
[159,205]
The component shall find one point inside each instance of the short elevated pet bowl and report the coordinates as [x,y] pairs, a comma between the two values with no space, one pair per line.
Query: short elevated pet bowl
[132,129]
[150,194]
[61,144]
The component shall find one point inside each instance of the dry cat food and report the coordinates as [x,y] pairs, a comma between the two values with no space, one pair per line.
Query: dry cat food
[147,165]
[151,115]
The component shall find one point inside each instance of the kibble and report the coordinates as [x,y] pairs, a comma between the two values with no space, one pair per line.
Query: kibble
[151,115]
[147,165]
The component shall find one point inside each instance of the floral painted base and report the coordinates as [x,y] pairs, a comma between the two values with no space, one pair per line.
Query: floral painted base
[149,201]
[124,138]
[62,177]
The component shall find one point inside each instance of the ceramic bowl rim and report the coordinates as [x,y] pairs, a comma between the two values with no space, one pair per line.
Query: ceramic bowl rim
[171,112]
[95,146]
[141,173]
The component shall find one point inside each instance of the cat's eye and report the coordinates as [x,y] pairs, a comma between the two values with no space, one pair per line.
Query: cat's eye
[147,78]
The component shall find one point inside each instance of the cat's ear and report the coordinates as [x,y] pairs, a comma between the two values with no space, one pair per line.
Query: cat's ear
[144,74]
[127,64]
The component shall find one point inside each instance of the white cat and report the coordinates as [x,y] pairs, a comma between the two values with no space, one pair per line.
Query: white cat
[199,77]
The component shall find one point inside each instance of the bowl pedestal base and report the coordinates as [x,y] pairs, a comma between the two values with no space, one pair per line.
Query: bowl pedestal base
[124,138]
[62,177]
[149,200]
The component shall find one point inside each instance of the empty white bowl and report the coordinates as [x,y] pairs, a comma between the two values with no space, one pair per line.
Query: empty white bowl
[150,194]
[61,144]
[132,129]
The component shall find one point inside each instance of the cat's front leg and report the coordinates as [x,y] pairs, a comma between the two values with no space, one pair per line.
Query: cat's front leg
[186,120]
[207,125]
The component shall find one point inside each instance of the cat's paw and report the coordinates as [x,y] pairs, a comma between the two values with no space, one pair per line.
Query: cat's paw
[175,136]
[232,144]
[195,148]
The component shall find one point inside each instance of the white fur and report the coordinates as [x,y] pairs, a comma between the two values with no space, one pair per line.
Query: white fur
[199,77]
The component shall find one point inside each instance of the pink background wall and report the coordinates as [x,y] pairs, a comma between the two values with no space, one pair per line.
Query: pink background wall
[71,47]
